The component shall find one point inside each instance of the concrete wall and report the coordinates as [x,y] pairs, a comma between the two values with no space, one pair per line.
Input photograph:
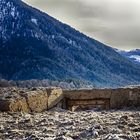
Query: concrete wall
[119,98]
[125,97]
[39,99]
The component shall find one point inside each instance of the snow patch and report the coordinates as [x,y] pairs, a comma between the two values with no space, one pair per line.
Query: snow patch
[53,36]
[13,11]
[34,20]
[136,57]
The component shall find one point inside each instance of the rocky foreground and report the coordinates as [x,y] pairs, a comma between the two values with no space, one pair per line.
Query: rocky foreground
[60,124]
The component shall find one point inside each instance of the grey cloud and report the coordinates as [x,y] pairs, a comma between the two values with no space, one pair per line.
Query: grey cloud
[114,22]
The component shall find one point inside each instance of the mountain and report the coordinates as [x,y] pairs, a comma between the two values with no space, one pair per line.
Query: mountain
[133,55]
[34,45]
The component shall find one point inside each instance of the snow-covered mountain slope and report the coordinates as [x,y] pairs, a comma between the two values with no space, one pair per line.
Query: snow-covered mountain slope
[34,45]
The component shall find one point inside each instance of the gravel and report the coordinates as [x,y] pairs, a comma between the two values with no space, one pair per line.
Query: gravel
[58,124]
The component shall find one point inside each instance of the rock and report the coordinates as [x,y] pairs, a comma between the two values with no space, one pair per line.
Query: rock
[132,124]
[137,129]
[63,138]
[95,134]
[120,126]
[98,126]
[36,100]
[125,117]
[66,125]
[29,100]
[54,97]
[125,137]
[1,128]
[112,137]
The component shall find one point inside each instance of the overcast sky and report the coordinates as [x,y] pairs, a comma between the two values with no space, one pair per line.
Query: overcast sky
[114,22]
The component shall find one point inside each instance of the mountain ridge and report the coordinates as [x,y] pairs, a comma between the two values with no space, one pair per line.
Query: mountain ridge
[35,45]
[132,55]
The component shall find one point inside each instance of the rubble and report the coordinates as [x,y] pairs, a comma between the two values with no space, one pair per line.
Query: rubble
[58,124]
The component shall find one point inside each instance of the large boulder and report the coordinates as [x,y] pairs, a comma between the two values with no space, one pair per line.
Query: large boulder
[29,100]
[36,100]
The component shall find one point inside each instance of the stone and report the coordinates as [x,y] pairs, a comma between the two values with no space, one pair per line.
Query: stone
[36,100]
[29,100]
[55,95]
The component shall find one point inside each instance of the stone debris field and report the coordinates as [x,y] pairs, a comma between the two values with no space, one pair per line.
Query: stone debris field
[58,124]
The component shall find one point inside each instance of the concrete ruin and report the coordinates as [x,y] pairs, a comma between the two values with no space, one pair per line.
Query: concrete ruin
[29,100]
[40,99]
[103,98]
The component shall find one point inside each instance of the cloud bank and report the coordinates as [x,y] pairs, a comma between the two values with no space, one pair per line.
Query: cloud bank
[114,22]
